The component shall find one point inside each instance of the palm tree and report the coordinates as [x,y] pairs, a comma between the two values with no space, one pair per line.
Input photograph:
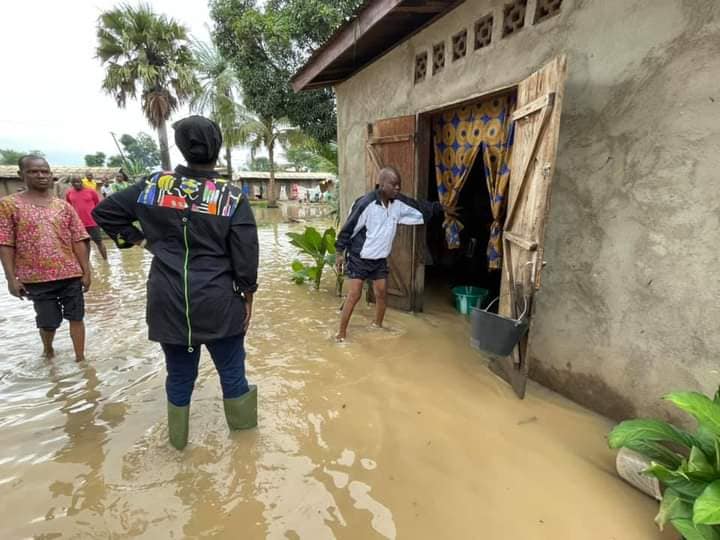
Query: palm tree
[218,95]
[149,54]
[258,132]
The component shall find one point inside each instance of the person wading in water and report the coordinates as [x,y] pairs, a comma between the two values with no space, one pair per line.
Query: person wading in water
[365,241]
[44,252]
[84,200]
[203,237]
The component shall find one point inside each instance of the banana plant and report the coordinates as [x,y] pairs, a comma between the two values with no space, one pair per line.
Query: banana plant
[686,463]
[321,249]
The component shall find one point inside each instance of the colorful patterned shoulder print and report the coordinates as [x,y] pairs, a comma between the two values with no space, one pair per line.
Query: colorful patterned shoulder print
[212,196]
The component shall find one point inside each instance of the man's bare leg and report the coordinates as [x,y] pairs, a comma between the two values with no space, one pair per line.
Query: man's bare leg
[380,291]
[47,337]
[77,334]
[354,292]
[101,249]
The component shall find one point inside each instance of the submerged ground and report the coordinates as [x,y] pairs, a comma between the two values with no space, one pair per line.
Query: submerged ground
[401,433]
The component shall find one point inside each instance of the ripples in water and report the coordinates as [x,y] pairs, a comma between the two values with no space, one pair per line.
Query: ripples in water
[393,434]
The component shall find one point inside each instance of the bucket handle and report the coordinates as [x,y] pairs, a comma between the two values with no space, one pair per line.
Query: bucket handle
[524,311]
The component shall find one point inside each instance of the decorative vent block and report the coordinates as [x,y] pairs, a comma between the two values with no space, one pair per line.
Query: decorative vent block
[514,17]
[546,9]
[438,57]
[459,45]
[421,62]
[483,32]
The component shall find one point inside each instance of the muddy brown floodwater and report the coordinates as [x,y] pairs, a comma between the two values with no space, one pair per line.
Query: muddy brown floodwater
[401,433]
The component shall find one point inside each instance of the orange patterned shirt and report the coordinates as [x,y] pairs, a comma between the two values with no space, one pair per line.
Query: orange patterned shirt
[43,238]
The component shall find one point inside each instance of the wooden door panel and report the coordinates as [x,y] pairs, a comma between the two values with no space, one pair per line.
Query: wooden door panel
[391,142]
[537,125]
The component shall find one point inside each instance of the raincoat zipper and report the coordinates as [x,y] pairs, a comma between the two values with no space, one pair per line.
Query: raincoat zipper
[185,279]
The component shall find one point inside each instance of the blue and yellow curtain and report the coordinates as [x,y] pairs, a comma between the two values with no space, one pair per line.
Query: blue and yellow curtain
[460,135]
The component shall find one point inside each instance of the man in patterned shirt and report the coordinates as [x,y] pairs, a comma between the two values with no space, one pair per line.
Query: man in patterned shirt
[44,253]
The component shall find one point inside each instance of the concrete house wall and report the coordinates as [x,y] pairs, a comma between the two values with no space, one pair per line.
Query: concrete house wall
[629,306]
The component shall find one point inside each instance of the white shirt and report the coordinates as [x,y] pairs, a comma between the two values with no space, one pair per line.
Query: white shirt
[381,223]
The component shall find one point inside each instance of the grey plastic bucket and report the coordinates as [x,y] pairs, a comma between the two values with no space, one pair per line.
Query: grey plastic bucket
[495,334]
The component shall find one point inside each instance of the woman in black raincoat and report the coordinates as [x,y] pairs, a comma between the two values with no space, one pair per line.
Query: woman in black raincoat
[202,234]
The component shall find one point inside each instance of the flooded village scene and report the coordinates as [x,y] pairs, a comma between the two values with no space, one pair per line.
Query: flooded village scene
[360,269]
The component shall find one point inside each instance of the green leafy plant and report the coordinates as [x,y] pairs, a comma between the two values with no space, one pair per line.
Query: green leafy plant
[687,464]
[321,249]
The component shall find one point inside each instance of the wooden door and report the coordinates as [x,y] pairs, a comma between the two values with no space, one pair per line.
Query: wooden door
[532,164]
[391,142]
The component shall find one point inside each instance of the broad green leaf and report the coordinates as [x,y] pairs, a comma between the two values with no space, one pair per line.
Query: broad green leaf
[706,510]
[302,243]
[677,480]
[297,240]
[672,507]
[313,237]
[649,430]
[329,240]
[309,241]
[699,465]
[705,411]
[297,266]
[655,451]
[691,531]
[706,441]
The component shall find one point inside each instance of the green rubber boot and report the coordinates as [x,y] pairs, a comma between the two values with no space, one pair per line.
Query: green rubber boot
[178,425]
[241,412]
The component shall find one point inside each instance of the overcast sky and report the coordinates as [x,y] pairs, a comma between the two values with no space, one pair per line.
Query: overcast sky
[51,98]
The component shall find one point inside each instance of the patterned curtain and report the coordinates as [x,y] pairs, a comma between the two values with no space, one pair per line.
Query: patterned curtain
[496,159]
[459,136]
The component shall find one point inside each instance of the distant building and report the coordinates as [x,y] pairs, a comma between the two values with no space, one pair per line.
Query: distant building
[288,185]
[10,181]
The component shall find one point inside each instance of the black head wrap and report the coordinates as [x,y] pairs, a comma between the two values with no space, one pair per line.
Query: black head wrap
[199,139]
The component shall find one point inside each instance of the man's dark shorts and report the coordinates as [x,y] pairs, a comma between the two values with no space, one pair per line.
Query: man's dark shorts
[94,233]
[55,300]
[372,269]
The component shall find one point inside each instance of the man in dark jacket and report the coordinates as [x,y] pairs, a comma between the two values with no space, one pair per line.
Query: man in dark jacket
[366,239]
[202,234]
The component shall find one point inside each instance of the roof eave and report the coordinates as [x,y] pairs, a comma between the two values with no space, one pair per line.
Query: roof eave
[347,35]
[341,41]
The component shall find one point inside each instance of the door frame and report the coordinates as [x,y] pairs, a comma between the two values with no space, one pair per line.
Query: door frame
[423,127]
[541,91]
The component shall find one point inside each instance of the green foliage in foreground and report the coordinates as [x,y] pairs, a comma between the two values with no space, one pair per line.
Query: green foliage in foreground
[321,249]
[686,463]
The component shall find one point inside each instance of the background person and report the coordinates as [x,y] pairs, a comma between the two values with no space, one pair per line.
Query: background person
[44,254]
[89,182]
[106,188]
[84,201]
[121,183]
